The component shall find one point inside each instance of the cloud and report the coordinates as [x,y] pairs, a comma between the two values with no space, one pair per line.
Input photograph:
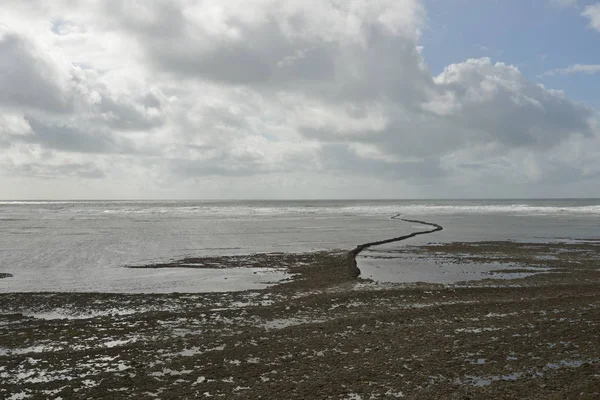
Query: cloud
[592,12]
[50,171]
[71,138]
[468,104]
[251,155]
[155,95]
[332,48]
[30,78]
[54,104]
[494,103]
[143,112]
[574,69]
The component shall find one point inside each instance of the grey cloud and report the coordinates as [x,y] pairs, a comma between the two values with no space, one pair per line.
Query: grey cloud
[268,56]
[150,100]
[73,139]
[339,157]
[561,173]
[41,170]
[199,168]
[235,64]
[233,160]
[511,169]
[269,73]
[387,69]
[223,163]
[496,103]
[249,61]
[312,64]
[124,115]
[474,103]
[27,79]
[156,19]
[414,134]
[166,35]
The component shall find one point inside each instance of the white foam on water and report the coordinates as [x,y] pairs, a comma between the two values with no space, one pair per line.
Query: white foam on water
[315,208]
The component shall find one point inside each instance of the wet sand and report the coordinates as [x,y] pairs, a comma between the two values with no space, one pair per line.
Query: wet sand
[323,333]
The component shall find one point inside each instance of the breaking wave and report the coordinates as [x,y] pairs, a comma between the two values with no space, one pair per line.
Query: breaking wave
[306,208]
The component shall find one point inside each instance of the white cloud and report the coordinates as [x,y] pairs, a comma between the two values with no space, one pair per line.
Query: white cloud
[574,69]
[266,98]
[485,102]
[592,12]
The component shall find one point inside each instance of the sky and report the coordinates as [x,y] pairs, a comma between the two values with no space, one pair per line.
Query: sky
[296,99]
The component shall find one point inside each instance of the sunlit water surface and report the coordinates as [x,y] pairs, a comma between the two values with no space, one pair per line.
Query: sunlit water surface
[84,245]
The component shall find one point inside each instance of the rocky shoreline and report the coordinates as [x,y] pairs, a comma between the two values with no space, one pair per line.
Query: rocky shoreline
[323,334]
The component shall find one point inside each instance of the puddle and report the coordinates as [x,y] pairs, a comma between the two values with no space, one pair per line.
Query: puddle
[63,313]
[401,270]
[488,380]
[195,351]
[159,280]
[26,350]
[476,330]
[285,322]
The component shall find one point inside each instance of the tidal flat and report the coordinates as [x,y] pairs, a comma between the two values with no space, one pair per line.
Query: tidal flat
[529,328]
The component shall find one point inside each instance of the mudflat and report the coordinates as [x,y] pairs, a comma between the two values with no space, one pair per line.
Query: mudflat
[323,334]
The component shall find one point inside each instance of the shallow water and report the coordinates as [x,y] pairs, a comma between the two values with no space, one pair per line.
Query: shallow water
[83,246]
[396,270]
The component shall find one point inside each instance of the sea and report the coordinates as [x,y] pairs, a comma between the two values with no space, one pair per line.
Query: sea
[85,246]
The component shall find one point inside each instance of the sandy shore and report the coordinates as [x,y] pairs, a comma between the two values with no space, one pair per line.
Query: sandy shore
[323,334]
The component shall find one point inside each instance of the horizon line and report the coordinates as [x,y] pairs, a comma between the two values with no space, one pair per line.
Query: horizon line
[301,199]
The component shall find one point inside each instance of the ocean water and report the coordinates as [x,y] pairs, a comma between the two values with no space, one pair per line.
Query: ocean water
[84,245]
